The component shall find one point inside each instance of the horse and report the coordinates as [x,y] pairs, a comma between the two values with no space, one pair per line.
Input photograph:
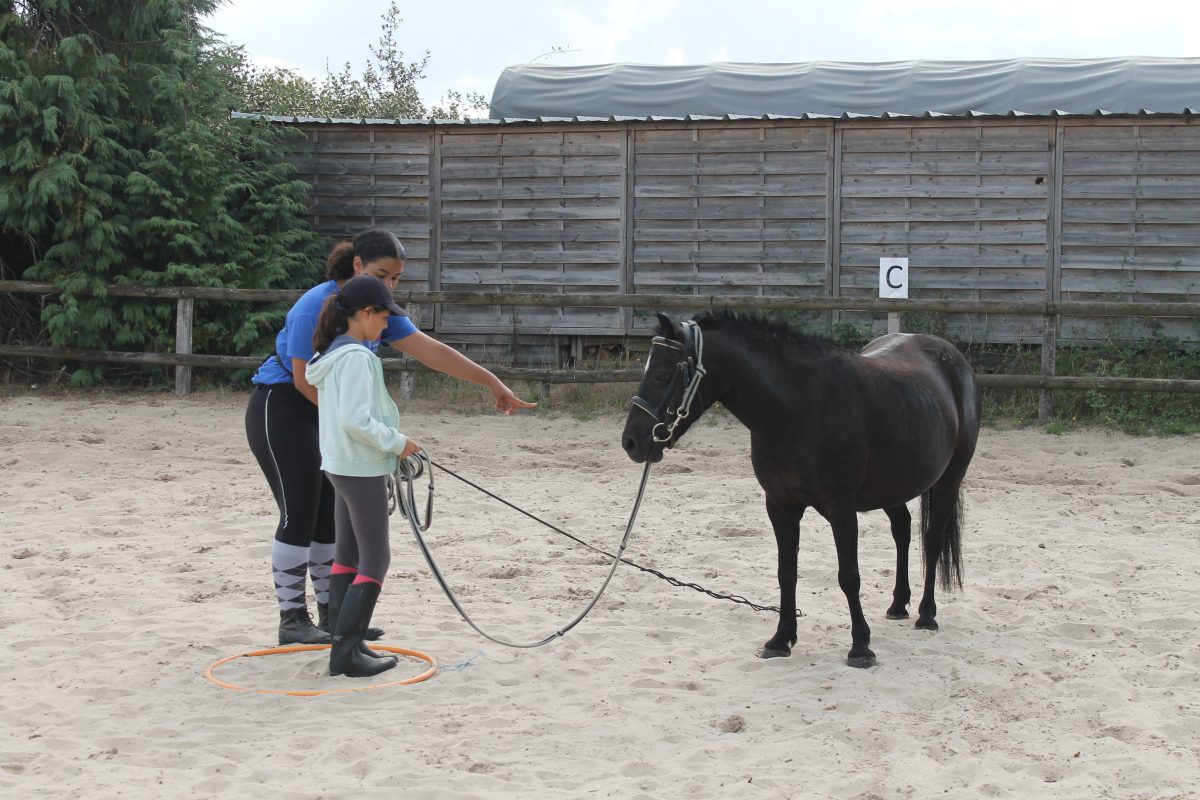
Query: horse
[833,429]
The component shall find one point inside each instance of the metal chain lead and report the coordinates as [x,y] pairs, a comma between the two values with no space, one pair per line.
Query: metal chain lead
[400,478]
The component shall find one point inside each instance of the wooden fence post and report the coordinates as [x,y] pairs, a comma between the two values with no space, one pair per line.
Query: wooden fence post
[183,343]
[1050,322]
[1049,363]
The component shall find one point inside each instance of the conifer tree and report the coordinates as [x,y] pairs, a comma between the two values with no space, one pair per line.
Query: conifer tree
[119,163]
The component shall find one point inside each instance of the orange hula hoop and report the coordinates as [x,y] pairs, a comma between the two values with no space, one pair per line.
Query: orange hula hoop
[210,673]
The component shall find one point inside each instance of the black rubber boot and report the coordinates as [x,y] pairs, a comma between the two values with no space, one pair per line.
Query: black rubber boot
[338,584]
[344,657]
[296,627]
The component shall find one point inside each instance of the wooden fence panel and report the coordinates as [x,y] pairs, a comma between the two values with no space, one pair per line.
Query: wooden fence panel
[738,210]
[1131,223]
[966,202]
[531,211]
[367,176]
[987,209]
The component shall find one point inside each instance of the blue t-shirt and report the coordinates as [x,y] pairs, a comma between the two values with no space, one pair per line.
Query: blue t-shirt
[295,340]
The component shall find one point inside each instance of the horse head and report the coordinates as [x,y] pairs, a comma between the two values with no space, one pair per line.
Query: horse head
[663,408]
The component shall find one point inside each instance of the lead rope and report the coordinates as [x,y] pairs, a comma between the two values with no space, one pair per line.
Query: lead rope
[733,598]
[400,487]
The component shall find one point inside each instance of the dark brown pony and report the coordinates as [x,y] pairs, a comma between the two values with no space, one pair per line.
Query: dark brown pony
[837,430]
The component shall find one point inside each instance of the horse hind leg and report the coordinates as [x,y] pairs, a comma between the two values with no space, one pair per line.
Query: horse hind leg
[901,521]
[941,531]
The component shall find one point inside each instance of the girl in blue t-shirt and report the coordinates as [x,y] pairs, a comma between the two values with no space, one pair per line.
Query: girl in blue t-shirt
[282,425]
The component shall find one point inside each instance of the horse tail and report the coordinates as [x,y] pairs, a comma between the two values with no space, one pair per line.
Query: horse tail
[950,556]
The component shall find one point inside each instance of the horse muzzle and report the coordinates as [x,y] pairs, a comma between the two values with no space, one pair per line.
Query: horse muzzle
[642,449]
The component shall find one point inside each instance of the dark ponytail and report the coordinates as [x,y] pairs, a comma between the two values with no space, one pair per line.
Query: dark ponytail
[333,322]
[371,244]
[339,265]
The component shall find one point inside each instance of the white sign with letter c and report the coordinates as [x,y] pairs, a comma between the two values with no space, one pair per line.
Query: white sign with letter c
[893,278]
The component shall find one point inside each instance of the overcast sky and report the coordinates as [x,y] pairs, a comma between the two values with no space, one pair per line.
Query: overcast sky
[471,41]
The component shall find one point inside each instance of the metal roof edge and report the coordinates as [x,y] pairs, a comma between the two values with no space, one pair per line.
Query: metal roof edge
[1188,111]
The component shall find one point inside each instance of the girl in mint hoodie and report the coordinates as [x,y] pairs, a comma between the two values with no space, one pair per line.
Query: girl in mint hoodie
[360,443]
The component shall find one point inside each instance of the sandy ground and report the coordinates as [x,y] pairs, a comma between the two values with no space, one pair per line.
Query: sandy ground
[137,533]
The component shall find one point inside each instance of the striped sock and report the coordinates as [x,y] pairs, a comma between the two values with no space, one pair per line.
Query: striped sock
[289,564]
[320,561]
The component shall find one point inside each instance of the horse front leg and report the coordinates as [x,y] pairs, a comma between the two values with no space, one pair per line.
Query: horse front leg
[845,538]
[901,521]
[786,522]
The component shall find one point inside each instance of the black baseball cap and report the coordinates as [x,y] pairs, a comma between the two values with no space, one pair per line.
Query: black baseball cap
[367,291]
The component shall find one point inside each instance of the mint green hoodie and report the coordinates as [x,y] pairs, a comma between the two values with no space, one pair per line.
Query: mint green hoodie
[358,417]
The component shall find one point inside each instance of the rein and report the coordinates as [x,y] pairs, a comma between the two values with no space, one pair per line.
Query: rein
[400,485]
[689,371]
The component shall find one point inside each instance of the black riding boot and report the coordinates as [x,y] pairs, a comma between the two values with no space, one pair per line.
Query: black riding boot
[344,656]
[296,627]
[328,612]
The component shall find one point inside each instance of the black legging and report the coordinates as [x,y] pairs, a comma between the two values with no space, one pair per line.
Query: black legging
[281,426]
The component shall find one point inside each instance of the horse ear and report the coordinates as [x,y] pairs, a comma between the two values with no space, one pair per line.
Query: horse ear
[666,328]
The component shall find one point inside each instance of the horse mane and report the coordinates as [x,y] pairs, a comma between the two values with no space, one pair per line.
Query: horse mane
[767,334]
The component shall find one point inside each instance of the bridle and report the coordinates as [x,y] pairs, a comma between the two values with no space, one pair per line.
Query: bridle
[685,382]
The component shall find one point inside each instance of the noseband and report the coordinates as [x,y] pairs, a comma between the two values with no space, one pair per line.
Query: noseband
[685,382]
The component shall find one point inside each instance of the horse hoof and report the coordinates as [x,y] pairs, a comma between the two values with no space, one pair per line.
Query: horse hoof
[901,614]
[861,662]
[927,624]
[770,652]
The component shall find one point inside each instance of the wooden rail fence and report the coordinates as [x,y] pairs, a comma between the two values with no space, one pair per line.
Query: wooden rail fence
[184,360]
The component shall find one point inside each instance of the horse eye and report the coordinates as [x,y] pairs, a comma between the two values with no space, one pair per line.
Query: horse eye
[660,378]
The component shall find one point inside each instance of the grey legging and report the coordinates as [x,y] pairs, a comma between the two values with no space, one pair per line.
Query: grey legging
[360,515]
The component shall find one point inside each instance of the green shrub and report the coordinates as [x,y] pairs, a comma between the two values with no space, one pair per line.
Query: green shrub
[119,164]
